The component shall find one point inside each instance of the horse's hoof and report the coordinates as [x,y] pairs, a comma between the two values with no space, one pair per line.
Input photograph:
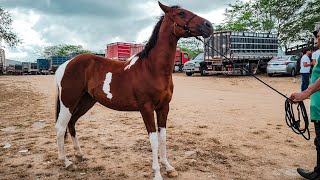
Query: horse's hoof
[172,173]
[79,157]
[71,167]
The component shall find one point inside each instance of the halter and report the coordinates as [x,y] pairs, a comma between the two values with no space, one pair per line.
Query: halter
[185,27]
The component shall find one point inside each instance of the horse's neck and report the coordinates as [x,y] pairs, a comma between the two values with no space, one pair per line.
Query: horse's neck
[163,54]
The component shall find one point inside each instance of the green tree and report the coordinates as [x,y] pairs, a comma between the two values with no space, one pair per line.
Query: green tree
[6,32]
[191,45]
[62,50]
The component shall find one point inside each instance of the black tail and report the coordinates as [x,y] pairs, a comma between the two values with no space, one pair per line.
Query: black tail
[57,108]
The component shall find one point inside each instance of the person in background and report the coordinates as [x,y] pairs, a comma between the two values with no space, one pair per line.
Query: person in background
[312,90]
[297,67]
[305,66]
[316,53]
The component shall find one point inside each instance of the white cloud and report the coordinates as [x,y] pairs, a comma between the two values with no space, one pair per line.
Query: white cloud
[23,24]
[144,34]
[215,16]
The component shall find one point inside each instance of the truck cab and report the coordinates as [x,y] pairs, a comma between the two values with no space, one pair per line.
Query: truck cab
[181,58]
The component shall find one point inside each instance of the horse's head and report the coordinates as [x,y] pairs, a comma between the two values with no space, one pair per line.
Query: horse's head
[186,23]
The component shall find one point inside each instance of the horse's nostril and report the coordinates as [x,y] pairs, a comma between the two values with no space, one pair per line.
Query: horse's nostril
[208,25]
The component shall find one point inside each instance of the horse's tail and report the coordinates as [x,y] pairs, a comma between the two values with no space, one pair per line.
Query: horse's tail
[57,104]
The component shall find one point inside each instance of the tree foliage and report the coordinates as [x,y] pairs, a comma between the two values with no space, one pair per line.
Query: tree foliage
[191,45]
[6,32]
[62,50]
[291,20]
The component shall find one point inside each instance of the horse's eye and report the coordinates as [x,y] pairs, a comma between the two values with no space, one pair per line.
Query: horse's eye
[182,14]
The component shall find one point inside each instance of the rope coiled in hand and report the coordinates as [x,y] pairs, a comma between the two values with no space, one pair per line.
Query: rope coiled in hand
[295,124]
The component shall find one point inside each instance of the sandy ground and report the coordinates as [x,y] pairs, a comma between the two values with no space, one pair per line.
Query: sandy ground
[219,127]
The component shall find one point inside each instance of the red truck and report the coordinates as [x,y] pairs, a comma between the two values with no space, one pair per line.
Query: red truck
[122,51]
[181,58]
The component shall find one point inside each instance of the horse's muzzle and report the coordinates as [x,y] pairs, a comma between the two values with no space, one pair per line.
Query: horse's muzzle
[206,29]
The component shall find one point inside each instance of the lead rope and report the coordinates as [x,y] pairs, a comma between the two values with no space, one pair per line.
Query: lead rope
[291,121]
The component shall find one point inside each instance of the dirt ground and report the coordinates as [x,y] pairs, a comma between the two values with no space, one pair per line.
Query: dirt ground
[219,127]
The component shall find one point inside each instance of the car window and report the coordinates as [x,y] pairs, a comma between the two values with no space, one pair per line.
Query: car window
[294,58]
[199,57]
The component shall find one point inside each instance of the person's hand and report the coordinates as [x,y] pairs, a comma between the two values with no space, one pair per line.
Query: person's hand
[296,97]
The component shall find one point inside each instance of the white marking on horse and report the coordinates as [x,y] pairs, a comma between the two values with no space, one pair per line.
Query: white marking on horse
[106,85]
[133,59]
[76,145]
[154,146]
[64,116]
[163,149]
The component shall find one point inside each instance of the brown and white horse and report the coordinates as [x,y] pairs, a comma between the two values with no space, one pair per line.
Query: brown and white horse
[143,83]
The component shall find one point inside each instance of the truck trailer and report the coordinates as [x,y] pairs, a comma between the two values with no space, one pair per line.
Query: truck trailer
[238,53]
[44,66]
[123,51]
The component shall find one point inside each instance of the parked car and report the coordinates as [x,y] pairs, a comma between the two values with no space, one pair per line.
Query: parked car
[193,66]
[282,65]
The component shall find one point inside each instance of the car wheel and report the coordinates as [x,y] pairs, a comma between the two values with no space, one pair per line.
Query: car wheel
[293,72]
[189,73]
[270,75]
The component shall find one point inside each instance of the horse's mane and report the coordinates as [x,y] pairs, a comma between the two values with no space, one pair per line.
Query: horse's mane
[153,38]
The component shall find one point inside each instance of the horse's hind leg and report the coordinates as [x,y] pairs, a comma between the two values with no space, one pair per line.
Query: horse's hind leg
[61,127]
[162,115]
[85,103]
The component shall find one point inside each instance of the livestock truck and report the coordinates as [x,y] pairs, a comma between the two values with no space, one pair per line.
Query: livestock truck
[30,68]
[15,69]
[44,66]
[122,51]
[237,53]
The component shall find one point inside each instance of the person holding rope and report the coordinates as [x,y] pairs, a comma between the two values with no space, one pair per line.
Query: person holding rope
[313,91]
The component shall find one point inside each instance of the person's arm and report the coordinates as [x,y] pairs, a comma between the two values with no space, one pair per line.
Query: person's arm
[296,97]
[305,64]
[314,62]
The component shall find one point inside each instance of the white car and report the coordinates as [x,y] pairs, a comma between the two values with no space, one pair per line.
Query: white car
[193,66]
[282,65]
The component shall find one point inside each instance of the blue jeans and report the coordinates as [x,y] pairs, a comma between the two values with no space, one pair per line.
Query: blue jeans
[305,78]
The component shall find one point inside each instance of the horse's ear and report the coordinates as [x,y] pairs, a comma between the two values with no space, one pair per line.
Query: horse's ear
[164,8]
[315,33]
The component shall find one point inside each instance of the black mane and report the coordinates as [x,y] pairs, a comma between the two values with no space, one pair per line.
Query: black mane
[153,39]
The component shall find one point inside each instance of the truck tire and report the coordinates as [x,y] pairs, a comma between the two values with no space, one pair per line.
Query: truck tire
[253,68]
[203,72]
[189,73]
[270,75]
[203,68]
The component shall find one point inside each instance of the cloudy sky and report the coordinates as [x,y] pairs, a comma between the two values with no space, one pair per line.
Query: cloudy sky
[92,23]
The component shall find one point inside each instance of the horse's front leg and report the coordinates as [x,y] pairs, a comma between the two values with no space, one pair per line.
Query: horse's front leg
[147,113]
[162,115]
